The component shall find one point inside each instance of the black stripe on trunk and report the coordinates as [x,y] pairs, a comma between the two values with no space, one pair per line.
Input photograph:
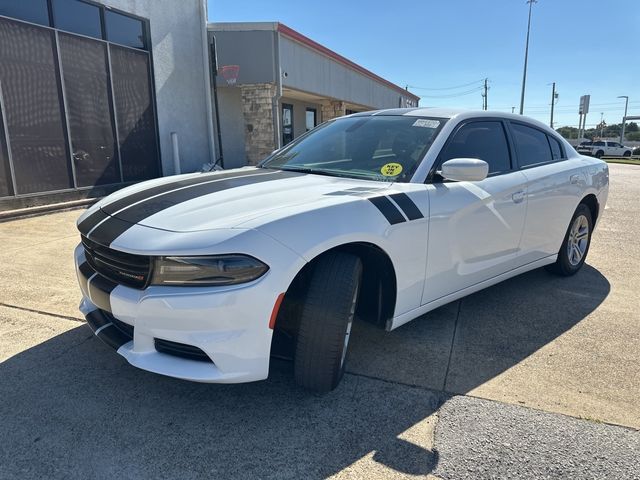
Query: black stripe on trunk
[388,209]
[409,208]
[112,228]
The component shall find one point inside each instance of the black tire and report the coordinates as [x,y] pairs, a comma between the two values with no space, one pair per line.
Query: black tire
[566,266]
[627,153]
[325,322]
[599,153]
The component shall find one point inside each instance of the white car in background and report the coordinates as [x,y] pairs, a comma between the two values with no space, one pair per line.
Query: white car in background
[603,148]
[383,215]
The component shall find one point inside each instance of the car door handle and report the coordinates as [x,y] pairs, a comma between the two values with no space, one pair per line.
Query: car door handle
[574,179]
[518,196]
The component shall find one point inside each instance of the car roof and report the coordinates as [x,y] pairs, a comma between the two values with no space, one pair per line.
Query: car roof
[450,113]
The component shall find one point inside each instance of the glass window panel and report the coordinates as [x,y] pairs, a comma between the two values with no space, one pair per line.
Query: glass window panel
[555,148]
[78,17]
[483,140]
[124,29]
[31,91]
[6,188]
[310,119]
[34,11]
[134,112]
[531,144]
[89,110]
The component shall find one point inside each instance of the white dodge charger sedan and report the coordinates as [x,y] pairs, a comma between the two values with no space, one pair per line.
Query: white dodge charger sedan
[382,215]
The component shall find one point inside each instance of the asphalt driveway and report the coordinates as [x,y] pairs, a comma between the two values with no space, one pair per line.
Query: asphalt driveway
[534,362]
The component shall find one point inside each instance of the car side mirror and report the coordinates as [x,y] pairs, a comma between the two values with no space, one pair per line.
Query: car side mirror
[465,170]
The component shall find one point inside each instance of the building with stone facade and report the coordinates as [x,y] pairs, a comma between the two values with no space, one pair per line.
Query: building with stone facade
[286,85]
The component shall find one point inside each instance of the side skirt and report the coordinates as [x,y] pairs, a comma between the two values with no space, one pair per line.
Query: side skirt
[417,312]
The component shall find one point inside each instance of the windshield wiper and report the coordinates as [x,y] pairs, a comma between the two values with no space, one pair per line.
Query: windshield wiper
[311,170]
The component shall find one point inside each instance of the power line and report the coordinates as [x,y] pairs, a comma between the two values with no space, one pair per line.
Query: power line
[460,94]
[446,88]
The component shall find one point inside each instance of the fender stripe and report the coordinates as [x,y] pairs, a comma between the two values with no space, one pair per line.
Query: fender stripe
[388,209]
[106,232]
[409,208]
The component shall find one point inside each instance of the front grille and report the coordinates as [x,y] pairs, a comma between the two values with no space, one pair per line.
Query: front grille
[123,268]
[181,350]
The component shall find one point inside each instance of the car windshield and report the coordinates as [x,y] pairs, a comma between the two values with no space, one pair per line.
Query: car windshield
[380,147]
[586,144]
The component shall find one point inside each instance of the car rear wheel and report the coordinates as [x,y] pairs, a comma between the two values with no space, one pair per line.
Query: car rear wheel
[575,246]
[599,153]
[326,321]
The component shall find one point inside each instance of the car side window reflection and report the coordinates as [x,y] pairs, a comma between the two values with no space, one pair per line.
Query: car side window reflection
[484,140]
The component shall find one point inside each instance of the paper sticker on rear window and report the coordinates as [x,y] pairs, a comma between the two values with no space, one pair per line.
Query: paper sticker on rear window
[426,123]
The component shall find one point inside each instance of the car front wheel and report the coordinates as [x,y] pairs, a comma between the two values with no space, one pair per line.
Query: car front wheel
[599,153]
[326,320]
[627,153]
[575,246]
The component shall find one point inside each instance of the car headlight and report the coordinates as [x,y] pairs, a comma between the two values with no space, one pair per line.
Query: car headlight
[207,270]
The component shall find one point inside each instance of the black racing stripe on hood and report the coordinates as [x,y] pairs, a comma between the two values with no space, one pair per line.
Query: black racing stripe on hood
[109,230]
[99,215]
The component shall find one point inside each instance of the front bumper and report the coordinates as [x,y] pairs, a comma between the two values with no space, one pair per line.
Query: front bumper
[229,324]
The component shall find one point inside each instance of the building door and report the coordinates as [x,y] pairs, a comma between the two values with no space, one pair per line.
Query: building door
[310,119]
[287,123]
[76,98]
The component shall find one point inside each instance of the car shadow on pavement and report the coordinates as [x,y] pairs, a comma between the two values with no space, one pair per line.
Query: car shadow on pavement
[83,412]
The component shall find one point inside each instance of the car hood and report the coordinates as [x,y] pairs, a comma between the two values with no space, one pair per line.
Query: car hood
[230,199]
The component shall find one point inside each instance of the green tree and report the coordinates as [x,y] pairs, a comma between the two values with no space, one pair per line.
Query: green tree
[632,127]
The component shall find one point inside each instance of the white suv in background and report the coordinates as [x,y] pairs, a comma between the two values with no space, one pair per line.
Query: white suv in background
[602,148]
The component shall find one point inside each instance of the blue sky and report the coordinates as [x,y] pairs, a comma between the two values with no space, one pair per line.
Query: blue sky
[585,46]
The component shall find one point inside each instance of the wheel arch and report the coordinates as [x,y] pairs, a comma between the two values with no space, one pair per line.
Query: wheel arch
[591,201]
[379,283]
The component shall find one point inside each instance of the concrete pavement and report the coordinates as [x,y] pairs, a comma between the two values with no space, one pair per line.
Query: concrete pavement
[72,408]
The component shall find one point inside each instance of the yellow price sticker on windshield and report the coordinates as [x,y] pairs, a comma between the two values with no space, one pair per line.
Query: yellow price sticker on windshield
[391,169]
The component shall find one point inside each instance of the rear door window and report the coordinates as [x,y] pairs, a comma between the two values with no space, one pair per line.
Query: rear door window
[484,140]
[556,149]
[531,144]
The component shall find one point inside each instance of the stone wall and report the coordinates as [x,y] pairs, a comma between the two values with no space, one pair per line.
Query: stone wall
[332,109]
[257,110]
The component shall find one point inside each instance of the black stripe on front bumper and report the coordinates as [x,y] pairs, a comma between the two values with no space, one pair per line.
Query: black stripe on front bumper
[107,332]
[100,292]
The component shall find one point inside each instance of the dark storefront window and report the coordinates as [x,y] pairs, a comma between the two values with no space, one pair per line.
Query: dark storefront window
[5,173]
[78,17]
[124,30]
[31,94]
[34,11]
[135,117]
[77,112]
[89,110]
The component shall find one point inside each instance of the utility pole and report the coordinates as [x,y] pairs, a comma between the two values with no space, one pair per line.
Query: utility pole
[485,102]
[513,109]
[624,119]
[601,124]
[526,57]
[553,102]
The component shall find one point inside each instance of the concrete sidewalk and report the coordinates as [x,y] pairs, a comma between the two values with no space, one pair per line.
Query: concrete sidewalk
[564,346]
